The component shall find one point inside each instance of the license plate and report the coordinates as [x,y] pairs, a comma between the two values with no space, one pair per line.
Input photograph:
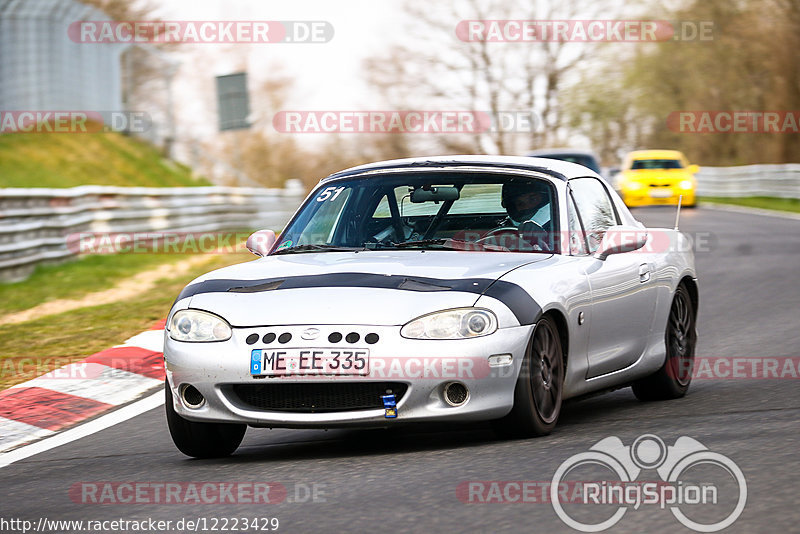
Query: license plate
[660,193]
[283,362]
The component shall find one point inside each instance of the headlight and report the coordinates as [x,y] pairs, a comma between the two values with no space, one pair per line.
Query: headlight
[633,186]
[198,326]
[459,323]
[686,184]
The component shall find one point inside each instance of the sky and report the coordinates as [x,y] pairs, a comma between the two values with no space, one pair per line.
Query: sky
[327,76]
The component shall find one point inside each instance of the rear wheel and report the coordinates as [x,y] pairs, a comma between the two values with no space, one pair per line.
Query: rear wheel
[673,379]
[202,440]
[537,395]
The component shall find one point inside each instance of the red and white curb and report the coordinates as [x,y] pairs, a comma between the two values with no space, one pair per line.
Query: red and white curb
[61,398]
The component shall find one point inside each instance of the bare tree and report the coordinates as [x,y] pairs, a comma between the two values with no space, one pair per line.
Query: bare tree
[749,64]
[436,68]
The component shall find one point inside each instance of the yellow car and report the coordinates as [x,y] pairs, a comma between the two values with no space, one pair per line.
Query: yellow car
[652,177]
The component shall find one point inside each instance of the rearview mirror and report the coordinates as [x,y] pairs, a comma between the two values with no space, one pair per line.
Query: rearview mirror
[694,169]
[434,194]
[260,243]
[619,239]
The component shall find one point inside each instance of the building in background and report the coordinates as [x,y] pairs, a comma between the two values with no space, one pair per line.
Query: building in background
[42,69]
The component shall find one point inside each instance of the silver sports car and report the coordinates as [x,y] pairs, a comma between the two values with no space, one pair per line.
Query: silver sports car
[454,288]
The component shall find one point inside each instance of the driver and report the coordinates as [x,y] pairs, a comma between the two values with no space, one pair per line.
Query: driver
[522,200]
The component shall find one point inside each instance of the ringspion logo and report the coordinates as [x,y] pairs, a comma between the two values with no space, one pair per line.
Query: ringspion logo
[679,490]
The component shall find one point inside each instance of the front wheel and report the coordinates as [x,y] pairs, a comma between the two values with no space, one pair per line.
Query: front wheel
[202,440]
[673,379]
[537,395]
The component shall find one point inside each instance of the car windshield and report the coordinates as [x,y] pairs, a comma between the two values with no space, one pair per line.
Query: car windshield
[656,164]
[475,211]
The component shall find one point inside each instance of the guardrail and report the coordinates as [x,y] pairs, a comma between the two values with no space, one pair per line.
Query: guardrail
[750,181]
[35,223]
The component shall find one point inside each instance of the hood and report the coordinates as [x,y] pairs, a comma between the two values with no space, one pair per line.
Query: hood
[367,287]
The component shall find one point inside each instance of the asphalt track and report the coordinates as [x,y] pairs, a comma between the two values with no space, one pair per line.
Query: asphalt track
[373,481]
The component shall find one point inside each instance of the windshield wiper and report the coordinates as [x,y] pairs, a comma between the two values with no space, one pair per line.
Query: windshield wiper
[314,248]
[449,244]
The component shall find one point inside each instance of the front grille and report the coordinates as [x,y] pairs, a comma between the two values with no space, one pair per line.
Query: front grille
[316,397]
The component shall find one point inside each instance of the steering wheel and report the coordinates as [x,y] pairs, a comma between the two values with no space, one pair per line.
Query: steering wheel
[534,233]
[505,237]
[499,231]
[528,231]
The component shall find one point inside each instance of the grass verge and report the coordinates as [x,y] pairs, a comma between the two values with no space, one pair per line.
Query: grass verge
[767,203]
[68,160]
[35,347]
[92,273]
[76,278]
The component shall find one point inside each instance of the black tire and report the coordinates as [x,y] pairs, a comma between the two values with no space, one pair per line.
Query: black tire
[202,440]
[539,389]
[673,379]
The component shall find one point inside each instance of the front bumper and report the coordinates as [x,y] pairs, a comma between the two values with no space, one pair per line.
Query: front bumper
[424,367]
[656,196]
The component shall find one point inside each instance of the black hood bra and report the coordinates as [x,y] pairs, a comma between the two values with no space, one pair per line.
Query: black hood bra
[524,307]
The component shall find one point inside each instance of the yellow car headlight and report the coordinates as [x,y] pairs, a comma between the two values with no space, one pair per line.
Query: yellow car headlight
[686,184]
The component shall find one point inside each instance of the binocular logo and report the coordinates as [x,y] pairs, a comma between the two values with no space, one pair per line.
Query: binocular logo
[648,452]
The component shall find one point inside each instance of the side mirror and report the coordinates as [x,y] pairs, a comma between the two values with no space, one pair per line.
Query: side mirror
[619,239]
[694,169]
[260,243]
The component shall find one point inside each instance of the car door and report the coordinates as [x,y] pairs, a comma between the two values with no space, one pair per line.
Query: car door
[623,297]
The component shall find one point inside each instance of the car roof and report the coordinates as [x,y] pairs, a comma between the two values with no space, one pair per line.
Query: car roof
[562,152]
[557,169]
[655,154]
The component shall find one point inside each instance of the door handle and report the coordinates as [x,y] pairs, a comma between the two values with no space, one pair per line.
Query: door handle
[644,272]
